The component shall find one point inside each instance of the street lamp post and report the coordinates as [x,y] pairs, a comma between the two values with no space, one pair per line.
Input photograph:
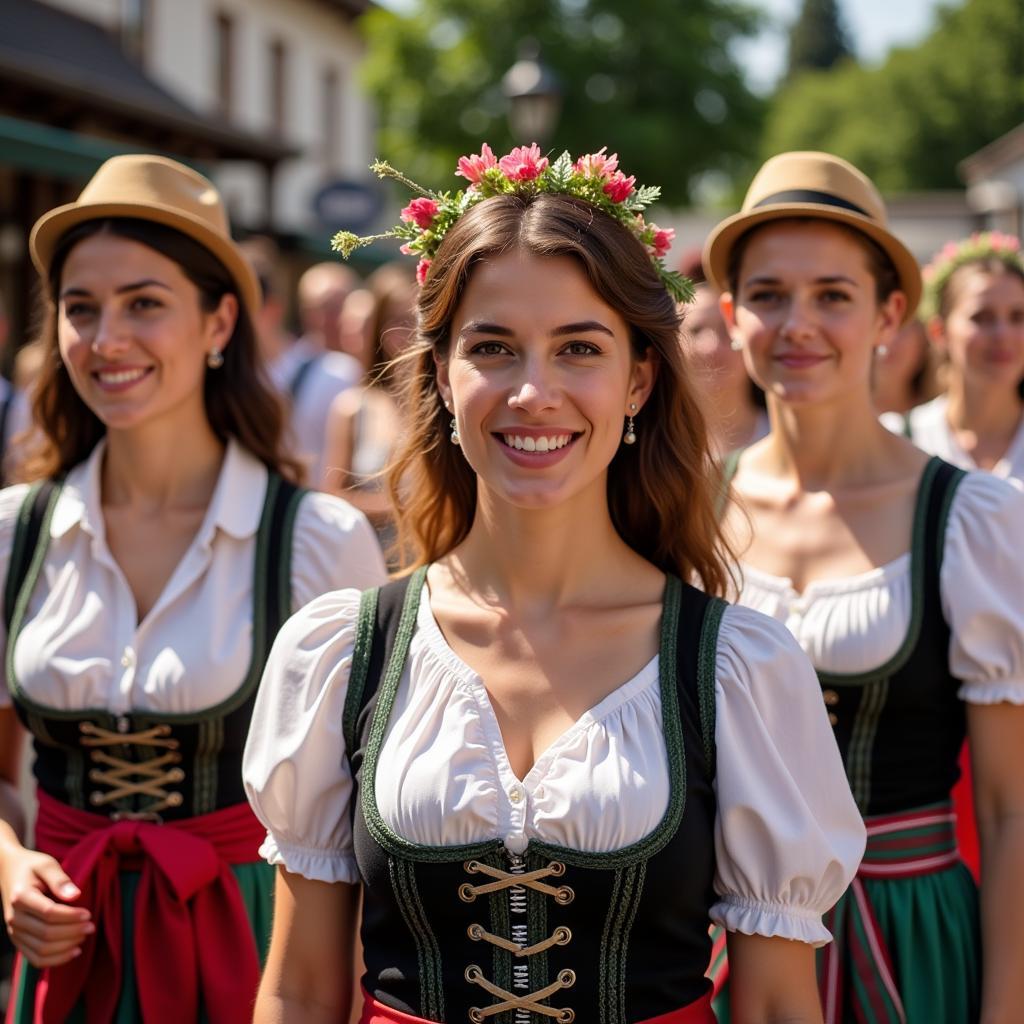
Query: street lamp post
[534,95]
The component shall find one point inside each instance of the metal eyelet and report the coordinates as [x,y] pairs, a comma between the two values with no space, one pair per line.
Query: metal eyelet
[567,1016]
[473,974]
[466,893]
[563,936]
[475,932]
[96,799]
[564,896]
[176,774]
[567,978]
[476,1015]
[175,800]
[163,730]
[472,867]
[557,868]
[94,774]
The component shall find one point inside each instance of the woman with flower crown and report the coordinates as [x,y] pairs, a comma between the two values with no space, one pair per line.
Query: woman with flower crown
[901,576]
[974,309]
[542,756]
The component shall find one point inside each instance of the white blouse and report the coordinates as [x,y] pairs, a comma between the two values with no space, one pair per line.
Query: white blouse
[788,837]
[857,623]
[82,646]
[931,432]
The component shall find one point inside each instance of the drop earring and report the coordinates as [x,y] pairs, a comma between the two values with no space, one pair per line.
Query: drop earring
[630,436]
[214,359]
[455,432]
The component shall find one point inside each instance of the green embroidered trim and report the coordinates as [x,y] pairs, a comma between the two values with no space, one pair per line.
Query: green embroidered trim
[259,620]
[428,953]
[707,652]
[284,575]
[862,740]
[622,909]
[360,666]
[501,924]
[204,770]
[74,780]
[393,843]
[917,560]
[17,557]
[537,906]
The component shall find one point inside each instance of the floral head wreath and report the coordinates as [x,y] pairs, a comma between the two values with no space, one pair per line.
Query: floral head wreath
[595,178]
[953,255]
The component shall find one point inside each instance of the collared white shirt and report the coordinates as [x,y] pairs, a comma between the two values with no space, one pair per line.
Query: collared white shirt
[332,373]
[82,646]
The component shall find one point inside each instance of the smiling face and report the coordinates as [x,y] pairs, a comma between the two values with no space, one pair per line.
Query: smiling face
[132,332]
[540,374]
[807,311]
[983,332]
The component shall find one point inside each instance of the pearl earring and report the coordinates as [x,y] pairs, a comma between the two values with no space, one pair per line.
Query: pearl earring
[214,359]
[455,432]
[736,344]
[881,350]
[630,436]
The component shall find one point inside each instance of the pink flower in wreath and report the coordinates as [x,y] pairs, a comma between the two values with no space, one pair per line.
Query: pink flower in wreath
[662,241]
[420,212]
[421,270]
[618,187]
[524,163]
[597,165]
[472,168]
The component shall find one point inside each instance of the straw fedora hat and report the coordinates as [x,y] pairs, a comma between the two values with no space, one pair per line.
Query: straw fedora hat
[815,185]
[156,189]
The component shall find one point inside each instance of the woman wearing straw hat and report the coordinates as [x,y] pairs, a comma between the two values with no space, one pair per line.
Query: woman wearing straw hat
[146,574]
[901,577]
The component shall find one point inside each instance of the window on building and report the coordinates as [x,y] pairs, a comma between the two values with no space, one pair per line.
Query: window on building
[224,55]
[278,86]
[331,128]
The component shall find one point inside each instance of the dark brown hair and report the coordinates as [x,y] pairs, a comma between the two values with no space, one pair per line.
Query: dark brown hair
[239,402]
[881,268]
[662,490]
[984,265]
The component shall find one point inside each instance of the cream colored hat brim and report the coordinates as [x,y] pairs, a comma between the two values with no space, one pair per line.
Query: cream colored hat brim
[720,243]
[52,226]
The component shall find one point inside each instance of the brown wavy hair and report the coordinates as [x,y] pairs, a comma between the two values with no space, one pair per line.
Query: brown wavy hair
[239,402]
[662,491]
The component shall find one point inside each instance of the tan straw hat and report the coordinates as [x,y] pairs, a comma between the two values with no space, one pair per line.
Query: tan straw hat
[156,189]
[815,185]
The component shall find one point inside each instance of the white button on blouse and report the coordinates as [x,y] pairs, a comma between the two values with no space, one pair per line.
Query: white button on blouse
[81,646]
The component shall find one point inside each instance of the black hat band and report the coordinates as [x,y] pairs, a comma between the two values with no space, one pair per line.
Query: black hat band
[810,195]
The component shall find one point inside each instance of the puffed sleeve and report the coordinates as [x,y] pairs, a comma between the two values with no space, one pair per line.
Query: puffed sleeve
[334,548]
[11,499]
[788,836]
[982,584]
[294,768]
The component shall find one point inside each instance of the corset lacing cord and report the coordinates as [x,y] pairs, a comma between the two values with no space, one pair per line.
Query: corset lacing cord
[561,936]
[152,775]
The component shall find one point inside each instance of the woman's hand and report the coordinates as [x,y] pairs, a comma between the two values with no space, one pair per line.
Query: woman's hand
[41,924]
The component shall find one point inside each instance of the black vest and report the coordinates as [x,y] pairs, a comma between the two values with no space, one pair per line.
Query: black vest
[197,755]
[900,727]
[624,934]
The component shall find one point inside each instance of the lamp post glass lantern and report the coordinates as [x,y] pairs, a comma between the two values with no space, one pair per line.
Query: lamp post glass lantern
[534,95]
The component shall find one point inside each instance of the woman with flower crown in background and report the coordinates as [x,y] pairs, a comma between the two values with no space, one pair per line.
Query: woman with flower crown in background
[543,756]
[901,576]
[974,313]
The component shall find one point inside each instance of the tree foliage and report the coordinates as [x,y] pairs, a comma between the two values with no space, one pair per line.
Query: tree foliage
[909,122]
[657,83]
[817,39]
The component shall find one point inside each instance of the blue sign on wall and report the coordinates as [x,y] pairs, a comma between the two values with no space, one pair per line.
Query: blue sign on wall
[345,205]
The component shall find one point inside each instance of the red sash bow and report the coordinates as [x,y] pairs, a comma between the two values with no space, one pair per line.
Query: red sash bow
[192,937]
